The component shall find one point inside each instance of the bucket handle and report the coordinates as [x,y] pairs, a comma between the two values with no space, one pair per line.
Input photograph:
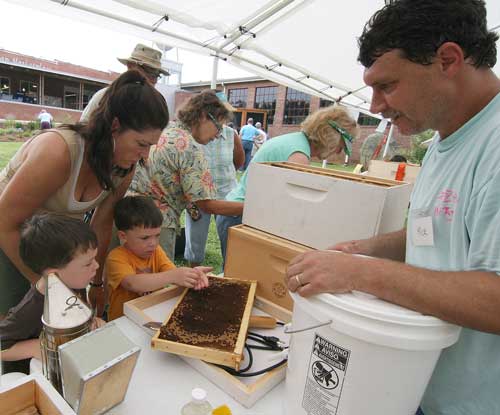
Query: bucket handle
[289,329]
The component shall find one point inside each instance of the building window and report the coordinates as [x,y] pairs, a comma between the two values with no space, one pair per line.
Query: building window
[325,102]
[71,97]
[4,85]
[296,106]
[238,97]
[28,90]
[265,99]
[61,92]
[365,119]
[88,93]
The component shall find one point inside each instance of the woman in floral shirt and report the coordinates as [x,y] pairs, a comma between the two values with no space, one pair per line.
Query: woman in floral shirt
[177,173]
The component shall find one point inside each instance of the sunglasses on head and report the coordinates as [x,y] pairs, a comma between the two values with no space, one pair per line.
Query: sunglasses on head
[348,138]
[216,123]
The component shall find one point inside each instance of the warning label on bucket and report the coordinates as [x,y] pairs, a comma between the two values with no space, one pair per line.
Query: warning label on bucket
[325,377]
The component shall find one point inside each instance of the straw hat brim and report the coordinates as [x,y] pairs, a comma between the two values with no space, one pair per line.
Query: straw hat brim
[140,62]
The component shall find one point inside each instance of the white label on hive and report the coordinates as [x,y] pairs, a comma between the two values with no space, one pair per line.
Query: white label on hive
[325,377]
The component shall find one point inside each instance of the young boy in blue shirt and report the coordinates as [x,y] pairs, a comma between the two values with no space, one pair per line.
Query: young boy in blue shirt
[50,243]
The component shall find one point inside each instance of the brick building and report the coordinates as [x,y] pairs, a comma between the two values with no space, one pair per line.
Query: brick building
[28,84]
[286,107]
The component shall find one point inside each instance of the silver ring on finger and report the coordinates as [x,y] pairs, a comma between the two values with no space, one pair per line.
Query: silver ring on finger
[299,282]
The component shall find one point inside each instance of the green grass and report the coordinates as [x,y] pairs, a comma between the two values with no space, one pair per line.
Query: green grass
[213,256]
[7,150]
[349,167]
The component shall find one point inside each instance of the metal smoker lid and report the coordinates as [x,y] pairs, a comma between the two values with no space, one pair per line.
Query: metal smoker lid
[62,309]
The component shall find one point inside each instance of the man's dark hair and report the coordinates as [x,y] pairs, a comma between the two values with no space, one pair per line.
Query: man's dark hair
[51,240]
[419,27]
[137,211]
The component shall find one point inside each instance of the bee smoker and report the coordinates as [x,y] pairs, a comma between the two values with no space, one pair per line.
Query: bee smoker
[65,317]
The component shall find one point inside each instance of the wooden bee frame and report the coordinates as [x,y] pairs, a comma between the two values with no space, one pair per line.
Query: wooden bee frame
[208,354]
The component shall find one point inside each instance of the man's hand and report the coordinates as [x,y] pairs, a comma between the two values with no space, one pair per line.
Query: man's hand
[322,271]
[360,246]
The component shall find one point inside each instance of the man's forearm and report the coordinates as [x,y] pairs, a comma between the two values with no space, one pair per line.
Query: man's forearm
[465,298]
[390,245]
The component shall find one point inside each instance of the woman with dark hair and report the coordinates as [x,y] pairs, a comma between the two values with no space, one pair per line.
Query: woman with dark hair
[74,169]
[176,174]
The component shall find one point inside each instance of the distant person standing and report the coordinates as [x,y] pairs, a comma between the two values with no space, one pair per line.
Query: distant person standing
[248,133]
[261,139]
[45,119]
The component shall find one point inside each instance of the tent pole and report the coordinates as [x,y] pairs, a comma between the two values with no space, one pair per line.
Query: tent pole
[213,84]
[255,21]
[216,50]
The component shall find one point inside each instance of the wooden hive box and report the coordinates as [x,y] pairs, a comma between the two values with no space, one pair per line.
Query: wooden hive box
[32,391]
[96,369]
[388,170]
[253,254]
[191,329]
[319,207]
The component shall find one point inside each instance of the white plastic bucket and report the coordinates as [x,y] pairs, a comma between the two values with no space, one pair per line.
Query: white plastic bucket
[365,356]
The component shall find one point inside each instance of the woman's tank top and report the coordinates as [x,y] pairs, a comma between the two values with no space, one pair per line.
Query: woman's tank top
[63,200]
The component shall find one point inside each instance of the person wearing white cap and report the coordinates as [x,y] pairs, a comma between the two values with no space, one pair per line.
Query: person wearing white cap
[143,59]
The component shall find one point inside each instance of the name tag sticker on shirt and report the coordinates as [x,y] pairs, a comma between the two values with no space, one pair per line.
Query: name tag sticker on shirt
[422,232]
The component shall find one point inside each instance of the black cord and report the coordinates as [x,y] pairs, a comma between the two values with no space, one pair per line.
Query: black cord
[268,343]
[259,372]
[272,342]
[250,361]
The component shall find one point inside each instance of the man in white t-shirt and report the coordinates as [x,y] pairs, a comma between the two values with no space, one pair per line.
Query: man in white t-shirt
[45,119]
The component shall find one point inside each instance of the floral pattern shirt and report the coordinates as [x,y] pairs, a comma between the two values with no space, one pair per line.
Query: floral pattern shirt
[175,174]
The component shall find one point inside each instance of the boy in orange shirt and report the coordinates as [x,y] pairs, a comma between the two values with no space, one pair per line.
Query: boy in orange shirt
[140,265]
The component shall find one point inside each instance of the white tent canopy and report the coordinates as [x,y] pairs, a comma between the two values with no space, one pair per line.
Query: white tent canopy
[309,45]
